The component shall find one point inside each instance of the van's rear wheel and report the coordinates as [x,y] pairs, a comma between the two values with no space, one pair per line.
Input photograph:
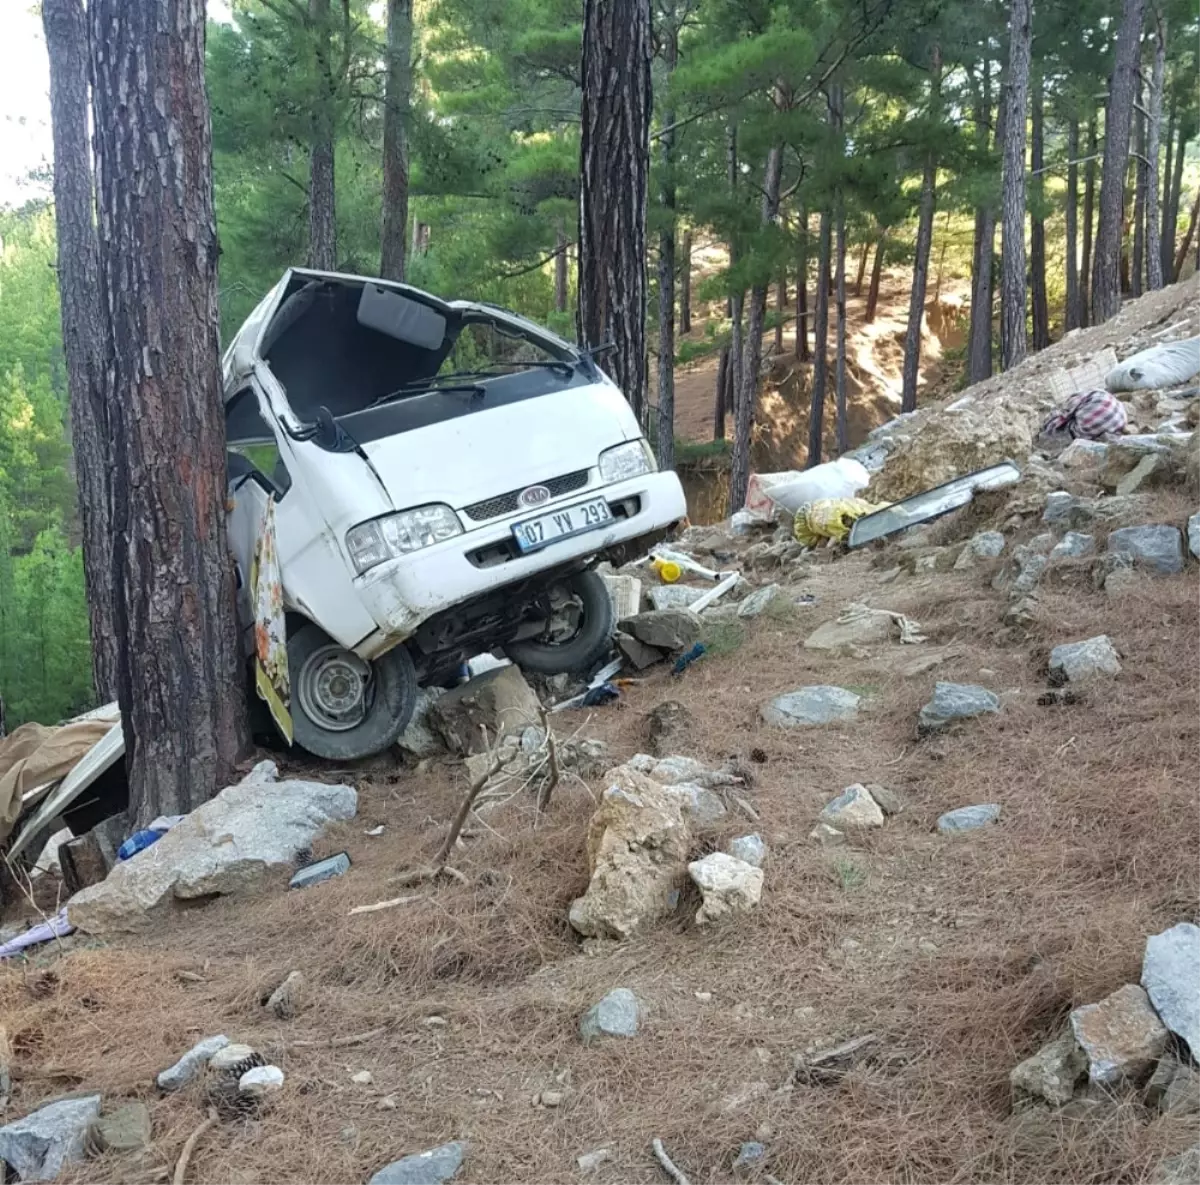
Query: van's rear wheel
[344,707]
[578,630]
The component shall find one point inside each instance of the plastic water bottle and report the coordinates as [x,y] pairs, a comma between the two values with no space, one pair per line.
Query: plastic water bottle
[138,841]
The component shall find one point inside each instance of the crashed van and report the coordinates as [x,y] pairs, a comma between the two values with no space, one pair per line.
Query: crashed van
[444,478]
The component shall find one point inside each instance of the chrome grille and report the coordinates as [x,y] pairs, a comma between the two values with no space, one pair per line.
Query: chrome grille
[504,504]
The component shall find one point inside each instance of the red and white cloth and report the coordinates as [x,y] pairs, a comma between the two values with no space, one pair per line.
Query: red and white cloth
[1090,414]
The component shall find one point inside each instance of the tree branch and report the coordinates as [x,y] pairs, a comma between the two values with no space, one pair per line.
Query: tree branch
[533,267]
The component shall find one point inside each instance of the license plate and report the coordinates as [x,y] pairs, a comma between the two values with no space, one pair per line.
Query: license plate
[555,525]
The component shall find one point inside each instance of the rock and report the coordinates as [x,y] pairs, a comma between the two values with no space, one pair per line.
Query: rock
[749,848]
[230,1056]
[666,629]
[666,725]
[826,836]
[1077,662]
[127,1129]
[968,818]
[638,654]
[589,1162]
[192,1062]
[727,884]
[37,1147]
[617,1015]
[759,601]
[320,871]
[1052,1073]
[1193,535]
[419,739]
[1182,1096]
[226,845]
[260,1082]
[1181,1169]
[674,596]
[1084,454]
[285,999]
[864,629]
[1031,566]
[854,807]
[1149,470]
[471,717]
[891,802]
[701,807]
[1159,548]
[811,706]
[1170,973]
[363,1078]
[749,1155]
[1074,546]
[638,843]
[956,701]
[426,1168]
[986,545]
[1121,1036]
[1022,613]
[1120,581]
[1063,508]
[929,660]
[674,770]
[551,1098]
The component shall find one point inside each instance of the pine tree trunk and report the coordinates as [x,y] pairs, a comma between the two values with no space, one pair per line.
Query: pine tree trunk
[1176,197]
[561,285]
[820,377]
[839,371]
[861,277]
[979,332]
[1184,247]
[685,284]
[397,103]
[736,302]
[1037,230]
[1154,268]
[746,399]
[614,178]
[180,675]
[1089,213]
[1167,233]
[876,276]
[916,304]
[1106,266]
[322,205]
[65,26]
[1012,271]
[780,303]
[1073,318]
[665,435]
[1140,185]
[719,400]
[803,353]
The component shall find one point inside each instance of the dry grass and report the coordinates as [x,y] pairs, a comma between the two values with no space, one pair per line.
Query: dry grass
[962,954]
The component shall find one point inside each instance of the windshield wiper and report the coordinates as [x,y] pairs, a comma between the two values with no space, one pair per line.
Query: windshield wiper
[496,368]
[428,387]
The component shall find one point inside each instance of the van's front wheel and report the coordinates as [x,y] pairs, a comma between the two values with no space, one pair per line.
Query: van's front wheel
[578,630]
[344,707]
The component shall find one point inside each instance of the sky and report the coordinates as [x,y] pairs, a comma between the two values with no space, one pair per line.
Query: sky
[25,138]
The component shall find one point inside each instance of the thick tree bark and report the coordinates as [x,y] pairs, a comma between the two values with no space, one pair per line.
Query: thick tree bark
[736,302]
[876,277]
[1106,266]
[397,102]
[1073,318]
[803,353]
[861,277]
[1140,184]
[1184,247]
[746,398]
[820,377]
[979,332]
[614,179]
[719,399]
[1176,197]
[1154,267]
[1167,234]
[179,678]
[1089,217]
[685,284]
[561,285]
[665,436]
[1037,229]
[322,205]
[839,368]
[1012,268]
[65,25]
[916,304]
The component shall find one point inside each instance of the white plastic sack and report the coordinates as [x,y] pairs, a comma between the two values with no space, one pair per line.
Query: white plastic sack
[842,478]
[760,506]
[1167,365]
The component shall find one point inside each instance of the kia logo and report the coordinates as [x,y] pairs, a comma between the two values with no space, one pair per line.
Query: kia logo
[534,496]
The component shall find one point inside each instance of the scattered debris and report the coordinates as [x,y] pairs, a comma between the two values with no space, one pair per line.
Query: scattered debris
[811,706]
[191,1064]
[1077,662]
[829,1066]
[37,1147]
[1121,1036]
[618,1014]
[854,807]
[379,906]
[234,1057]
[859,625]
[968,818]
[57,927]
[322,870]
[685,660]
[363,1078]
[669,1166]
[728,886]
[956,701]
[749,1156]
[1170,973]
[261,1081]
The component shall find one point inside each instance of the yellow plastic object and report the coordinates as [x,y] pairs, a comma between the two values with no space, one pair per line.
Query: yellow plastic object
[668,571]
[830,518]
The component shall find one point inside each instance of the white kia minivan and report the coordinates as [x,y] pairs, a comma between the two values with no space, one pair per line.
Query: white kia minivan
[446,477]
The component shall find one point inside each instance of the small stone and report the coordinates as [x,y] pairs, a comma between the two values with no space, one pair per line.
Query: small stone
[1148,467]
[1182,1096]
[1062,507]
[1022,613]
[811,706]
[890,575]
[285,999]
[375,832]
[728,886]
[1073,546]
[701,807]
[956,701]
[1084,454]
[986,545]
[1121,1036]
[192,1062]
[1077,662]
[1170,973]
[618,1014]
[1120,581]
[1193,534]
[665,629]
[703,997]
[968,818]
[260,1081]
[126,1129]
[666,724]
[589,1162]
[637,653]
[387,1103]
[362,1078]
[37,1147]
[1181,1169]
[826,836]
[854,807]
[749,848]
[758,602]
[552,1098]
[1053,1072]
[1159,548]
[229,1056]
[749,1155]
[426,1168]
[891,802]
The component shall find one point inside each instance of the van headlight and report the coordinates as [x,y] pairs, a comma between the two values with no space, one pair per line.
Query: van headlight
[399,534]
[626,461]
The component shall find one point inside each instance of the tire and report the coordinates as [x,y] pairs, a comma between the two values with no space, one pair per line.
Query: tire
[388,697]
[591,640]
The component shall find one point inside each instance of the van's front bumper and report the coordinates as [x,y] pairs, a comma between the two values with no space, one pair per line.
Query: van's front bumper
[402,593]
